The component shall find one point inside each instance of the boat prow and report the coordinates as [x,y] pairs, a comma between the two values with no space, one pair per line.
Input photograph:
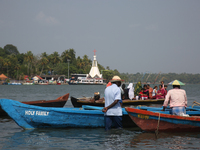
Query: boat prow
[59,102]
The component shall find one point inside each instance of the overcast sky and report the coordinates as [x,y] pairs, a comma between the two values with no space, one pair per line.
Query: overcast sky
[129,35]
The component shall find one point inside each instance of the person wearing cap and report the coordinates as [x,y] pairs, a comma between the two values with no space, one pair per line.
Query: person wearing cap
[113,110]
[178,100]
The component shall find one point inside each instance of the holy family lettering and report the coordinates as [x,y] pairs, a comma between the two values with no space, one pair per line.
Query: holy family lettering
[37,113]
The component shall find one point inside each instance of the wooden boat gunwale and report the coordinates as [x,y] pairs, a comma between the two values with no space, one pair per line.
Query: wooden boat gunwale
[59,102]
[78,102]
[26,116]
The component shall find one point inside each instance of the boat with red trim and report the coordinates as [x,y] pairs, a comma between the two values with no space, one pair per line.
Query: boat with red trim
[153,119]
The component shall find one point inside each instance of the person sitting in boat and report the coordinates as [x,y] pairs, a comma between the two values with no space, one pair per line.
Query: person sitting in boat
[145,91]
[162,83]
[165,87]
[177,100]
[150,89]
[131,91]
[160,93]
[141,95]
[154,92]
[96,96]
[125,92]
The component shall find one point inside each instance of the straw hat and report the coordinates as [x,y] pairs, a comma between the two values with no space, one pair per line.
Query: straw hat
[115,79]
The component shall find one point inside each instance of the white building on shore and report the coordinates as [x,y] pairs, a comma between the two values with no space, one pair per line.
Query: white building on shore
[94,76]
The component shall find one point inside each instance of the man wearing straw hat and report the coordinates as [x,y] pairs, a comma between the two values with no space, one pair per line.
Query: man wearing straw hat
[177,98]
[112,110]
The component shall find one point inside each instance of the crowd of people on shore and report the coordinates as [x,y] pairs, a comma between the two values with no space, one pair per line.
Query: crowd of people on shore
[146,92]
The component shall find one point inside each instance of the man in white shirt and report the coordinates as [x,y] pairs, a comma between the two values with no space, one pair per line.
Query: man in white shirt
[113,110]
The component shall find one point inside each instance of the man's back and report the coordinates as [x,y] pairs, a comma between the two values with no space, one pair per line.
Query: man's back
[113,93]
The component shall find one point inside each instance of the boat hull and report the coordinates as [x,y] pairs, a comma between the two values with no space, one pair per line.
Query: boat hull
[151,121]
[78,102]
[29,116]
[126,120]
[59,102]
[85,83]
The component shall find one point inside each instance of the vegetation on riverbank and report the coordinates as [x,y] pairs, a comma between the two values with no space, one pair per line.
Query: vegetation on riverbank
[15,65]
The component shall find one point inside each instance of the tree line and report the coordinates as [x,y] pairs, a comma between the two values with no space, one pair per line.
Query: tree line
[153,78]
[16,65]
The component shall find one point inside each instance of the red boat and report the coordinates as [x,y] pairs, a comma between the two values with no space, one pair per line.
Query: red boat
[59,102]
[163,121]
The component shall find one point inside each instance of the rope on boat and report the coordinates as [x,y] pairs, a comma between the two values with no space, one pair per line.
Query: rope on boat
[195,104]
[156,132]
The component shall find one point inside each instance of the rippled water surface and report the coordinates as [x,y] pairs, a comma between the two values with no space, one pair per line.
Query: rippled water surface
[14,137]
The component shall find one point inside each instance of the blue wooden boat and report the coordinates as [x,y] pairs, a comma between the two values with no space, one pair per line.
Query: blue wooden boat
[59,102]
[126,120]
[152,119]
[29,116]
[191,111]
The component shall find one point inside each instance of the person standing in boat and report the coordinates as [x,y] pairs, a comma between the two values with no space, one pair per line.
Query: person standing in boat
[178,100]
[131,91]
[113,110]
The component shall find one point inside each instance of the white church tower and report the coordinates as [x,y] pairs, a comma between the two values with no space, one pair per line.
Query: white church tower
[94,71]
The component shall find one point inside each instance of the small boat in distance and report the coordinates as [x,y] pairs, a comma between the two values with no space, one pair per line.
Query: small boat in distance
[29,116]
[59,102]
[84,79]
[153,119]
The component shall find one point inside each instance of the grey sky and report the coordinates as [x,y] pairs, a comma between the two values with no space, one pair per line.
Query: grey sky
[129,35]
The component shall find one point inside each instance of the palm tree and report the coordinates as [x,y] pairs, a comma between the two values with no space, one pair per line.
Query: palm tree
[65,56]
[44,62]
[35,62]
[6,63]
[44,54]
[28,58]
[55,58]
[1,62]
[87,63]
[17,67]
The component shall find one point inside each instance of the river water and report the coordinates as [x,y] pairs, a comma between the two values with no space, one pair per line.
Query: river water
[14,137]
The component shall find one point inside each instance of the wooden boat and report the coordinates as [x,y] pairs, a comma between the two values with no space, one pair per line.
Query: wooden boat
[154,119]
[59,102]
[78,102]
[29,116]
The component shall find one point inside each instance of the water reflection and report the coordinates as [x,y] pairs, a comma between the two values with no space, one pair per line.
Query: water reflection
[14,137]
[166,140]
[99,139]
